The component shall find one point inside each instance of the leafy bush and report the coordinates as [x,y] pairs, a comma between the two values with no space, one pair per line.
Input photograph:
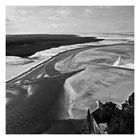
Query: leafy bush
[119,121]
[122,120]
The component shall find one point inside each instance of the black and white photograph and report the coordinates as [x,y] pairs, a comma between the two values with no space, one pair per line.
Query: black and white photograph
[70,69]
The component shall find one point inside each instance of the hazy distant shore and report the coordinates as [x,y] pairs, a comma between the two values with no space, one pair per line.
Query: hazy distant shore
[26,45]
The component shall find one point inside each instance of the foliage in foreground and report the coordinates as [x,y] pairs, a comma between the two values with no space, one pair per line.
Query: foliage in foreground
[119,121]
[122,121]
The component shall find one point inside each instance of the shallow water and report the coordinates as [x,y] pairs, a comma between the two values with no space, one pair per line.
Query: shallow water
[102,80]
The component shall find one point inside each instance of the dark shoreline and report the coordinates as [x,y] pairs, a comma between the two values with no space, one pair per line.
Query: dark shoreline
[51,62]
[26,45]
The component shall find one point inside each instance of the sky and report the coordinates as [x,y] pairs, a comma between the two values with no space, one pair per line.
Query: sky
[68,19]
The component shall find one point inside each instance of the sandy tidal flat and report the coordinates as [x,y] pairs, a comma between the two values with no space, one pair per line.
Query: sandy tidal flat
[108,74]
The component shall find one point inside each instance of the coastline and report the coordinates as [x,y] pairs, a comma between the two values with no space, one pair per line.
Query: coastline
[40,64]
[48,68]
[25,40]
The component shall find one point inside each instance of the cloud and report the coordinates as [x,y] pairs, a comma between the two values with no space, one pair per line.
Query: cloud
[53,18]
[87,13]
[60,14]
[44,19]
[54,25]
[8,21]
[63,12]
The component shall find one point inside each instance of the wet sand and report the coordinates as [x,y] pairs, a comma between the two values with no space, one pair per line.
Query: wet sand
[26,45]
[40,102]
[33,107]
